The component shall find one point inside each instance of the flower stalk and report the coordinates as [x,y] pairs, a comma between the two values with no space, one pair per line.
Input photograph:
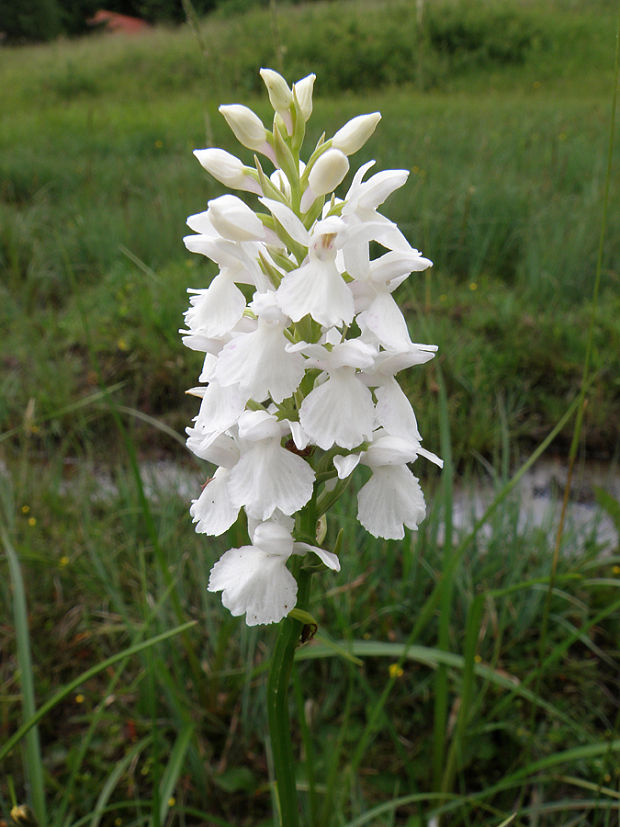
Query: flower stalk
[278,682]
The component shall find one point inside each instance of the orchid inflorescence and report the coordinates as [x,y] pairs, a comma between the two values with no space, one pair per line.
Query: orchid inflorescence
[302,341]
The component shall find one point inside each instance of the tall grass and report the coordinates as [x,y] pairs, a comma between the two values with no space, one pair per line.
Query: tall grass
[385,679]
[106,185]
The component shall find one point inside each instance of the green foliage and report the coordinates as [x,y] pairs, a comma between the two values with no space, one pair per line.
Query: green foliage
[474,35]
[31,20]
[126,727]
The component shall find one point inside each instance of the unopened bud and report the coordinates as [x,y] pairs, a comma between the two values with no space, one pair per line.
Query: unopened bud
[354,134]
[279,93]
[303,94]
[328,171]
[227,169]
[23,815]
[233,219]
[246,125]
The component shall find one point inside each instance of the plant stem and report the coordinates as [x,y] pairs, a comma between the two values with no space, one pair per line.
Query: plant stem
[277,708]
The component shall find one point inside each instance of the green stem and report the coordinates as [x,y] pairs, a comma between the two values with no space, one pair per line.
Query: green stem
[277,708]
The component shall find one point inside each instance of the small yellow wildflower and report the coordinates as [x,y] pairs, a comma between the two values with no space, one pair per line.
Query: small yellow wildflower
[22,814]
[172,801]
[64,561]
[79,699]
[473,285]
[121,344]
[395,670]
[159,143]
[616,569]
[477,658]
[25,509]
[32,521]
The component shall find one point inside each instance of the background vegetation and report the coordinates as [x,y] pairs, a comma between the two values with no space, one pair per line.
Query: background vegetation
[503,690]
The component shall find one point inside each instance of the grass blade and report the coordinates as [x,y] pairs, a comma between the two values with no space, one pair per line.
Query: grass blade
[434,657]
[85,676]
[446,585]
[173,770]
[113,779]
[33,763]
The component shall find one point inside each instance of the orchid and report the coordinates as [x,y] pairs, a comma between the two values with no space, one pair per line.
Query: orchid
[302,341]
[254,579]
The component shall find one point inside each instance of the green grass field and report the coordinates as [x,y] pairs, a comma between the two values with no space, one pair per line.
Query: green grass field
[459,675]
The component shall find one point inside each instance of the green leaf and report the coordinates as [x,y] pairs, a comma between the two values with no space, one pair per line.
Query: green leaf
[236,779]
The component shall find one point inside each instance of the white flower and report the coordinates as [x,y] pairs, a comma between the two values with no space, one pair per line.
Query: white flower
[328,171]
[213,511]
[302,93]
[234,220]
[364,197]
[247,127]
[317,287]
[354,134]
[218,448]
[267,476]
[280,96]
[254,579]
[379,317]
[216,310]
[392,497]
[228,169]
[339,410]
[220,409]
[394,411]
[258,362]
[240,260]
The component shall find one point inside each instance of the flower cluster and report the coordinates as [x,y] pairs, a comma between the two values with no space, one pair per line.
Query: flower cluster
[302,341]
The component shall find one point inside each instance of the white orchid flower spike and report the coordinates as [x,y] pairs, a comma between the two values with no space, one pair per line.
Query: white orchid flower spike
[303,339]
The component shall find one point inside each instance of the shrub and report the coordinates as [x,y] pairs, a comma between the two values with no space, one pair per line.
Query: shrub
[31,20]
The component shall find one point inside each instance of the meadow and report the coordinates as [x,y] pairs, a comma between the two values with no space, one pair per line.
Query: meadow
[464,676]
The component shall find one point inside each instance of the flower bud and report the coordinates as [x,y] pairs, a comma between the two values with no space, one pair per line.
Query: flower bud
[22,814]
[354,134]
[246,125]
[328,171]
[302,91]
[234,220]
[227,169]
[279,93]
